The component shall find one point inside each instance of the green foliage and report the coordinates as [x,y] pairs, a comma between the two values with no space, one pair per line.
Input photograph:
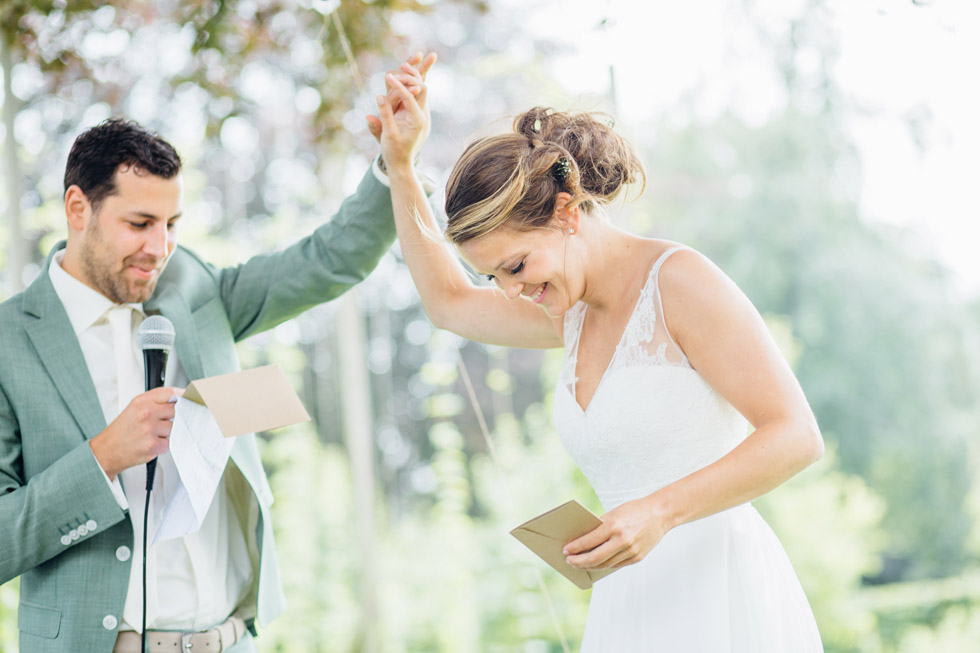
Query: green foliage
[829,523]
[959,630]
[9,593]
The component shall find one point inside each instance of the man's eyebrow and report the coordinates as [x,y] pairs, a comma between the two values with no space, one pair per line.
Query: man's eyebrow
[150,216]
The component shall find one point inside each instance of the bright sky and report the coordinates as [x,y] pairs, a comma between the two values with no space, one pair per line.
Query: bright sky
[896,60]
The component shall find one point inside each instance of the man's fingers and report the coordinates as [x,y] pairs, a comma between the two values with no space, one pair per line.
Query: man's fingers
[426,63]
[164,395]
[374,126]
[414,59]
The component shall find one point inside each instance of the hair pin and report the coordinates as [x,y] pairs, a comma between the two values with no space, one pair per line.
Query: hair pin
[560,169]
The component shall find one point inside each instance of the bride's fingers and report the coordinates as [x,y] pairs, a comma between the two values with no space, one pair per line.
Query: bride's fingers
[422,95]
[405,95]
[587,542]
[410,71]
[408,79]
[385,114]
[594,559]
[621,559]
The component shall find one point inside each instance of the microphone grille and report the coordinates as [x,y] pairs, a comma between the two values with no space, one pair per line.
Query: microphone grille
[156,332]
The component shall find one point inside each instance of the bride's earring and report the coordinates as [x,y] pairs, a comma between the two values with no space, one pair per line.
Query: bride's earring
[571,231]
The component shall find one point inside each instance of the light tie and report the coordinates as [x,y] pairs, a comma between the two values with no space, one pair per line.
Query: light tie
[130,383]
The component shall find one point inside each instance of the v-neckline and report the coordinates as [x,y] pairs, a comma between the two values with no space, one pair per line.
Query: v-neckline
[619,343]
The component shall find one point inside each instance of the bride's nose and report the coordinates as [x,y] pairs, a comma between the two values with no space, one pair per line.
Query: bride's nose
[512,289]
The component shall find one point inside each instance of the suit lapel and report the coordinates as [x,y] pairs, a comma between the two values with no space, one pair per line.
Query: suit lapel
[57,347]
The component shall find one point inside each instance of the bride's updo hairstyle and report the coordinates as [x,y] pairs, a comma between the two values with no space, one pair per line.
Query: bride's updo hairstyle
[514,178]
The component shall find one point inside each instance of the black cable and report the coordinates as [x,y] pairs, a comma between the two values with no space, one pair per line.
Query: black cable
[146,513]
[151,468]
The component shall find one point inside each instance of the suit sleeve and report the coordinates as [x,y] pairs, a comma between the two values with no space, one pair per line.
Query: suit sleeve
[272,288]
[60,507]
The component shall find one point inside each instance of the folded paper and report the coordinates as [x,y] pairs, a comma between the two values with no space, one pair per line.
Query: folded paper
[210,414]
[252,400]
[548,533]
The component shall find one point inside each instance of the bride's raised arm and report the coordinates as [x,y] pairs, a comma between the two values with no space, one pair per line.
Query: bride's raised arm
[504,316]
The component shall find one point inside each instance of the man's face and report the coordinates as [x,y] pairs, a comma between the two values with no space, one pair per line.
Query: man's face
[128,241]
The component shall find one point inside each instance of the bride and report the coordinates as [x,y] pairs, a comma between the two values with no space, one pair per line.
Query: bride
[667,364]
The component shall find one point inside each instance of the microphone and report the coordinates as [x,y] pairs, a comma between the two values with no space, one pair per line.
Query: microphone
[156,338]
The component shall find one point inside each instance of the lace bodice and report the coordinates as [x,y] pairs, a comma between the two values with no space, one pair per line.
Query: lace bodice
[652,419]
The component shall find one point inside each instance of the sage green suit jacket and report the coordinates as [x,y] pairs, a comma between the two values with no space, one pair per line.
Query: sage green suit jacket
[73,586]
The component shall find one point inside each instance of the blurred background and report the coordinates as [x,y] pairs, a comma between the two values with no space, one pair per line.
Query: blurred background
[822,152]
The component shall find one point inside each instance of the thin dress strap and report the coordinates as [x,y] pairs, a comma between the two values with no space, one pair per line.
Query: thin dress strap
[572,329]
[646,340]
[661,319]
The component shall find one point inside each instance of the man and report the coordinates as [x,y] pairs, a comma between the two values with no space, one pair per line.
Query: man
[76,427]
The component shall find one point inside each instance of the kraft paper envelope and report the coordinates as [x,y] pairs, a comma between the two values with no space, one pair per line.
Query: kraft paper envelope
[548,533]
[251,400]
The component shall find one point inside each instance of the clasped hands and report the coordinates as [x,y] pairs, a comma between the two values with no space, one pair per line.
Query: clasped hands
[403,120]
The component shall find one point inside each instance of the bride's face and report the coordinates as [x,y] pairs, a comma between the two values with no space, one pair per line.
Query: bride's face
[527,265]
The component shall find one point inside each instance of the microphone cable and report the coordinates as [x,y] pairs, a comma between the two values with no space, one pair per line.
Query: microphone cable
[156,338]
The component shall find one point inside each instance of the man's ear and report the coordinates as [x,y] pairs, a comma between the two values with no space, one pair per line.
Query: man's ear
[77,208]
[566,218]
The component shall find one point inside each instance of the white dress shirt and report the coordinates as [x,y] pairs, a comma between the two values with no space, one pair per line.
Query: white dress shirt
[193,582]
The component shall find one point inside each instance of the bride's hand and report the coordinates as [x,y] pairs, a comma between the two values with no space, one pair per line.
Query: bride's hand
[411,73]
[403,126]
[627,534]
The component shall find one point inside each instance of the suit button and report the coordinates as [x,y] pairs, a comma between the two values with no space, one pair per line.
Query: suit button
[91,525]
[123,553]
[82,531]
[74,534]
[66,540]
[109,622]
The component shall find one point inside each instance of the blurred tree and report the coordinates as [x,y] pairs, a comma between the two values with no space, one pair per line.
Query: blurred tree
[69,65]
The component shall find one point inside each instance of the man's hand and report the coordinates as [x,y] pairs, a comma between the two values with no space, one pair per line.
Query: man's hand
[139,434]
[411,74]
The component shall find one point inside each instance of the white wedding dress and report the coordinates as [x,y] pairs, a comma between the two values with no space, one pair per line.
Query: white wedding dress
[722,584]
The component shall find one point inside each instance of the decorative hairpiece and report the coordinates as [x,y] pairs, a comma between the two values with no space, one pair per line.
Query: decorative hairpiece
[560,169]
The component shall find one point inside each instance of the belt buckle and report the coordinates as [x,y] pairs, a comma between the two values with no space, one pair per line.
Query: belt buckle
[185,643]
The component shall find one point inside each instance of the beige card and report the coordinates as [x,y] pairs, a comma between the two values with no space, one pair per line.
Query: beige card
[252,400]
[548,533]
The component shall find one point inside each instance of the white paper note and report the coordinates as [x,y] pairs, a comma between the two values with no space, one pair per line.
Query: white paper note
[200,453]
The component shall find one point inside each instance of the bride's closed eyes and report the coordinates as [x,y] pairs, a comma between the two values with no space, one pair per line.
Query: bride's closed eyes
[520,266]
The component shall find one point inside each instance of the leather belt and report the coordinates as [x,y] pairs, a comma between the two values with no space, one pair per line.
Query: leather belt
[217,639]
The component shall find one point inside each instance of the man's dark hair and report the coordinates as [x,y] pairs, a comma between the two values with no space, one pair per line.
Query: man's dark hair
[98,152]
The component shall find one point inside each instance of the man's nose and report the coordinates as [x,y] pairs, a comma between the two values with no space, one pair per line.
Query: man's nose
[157,240]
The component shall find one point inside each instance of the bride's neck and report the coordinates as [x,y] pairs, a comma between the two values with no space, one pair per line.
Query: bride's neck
[612,258]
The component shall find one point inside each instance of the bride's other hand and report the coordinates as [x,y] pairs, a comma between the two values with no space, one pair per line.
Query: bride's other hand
[627,534]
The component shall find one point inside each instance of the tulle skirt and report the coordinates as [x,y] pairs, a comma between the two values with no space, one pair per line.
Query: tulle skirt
[722,584]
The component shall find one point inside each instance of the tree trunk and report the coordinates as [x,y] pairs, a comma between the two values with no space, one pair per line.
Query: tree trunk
[16,245]
[359,438]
